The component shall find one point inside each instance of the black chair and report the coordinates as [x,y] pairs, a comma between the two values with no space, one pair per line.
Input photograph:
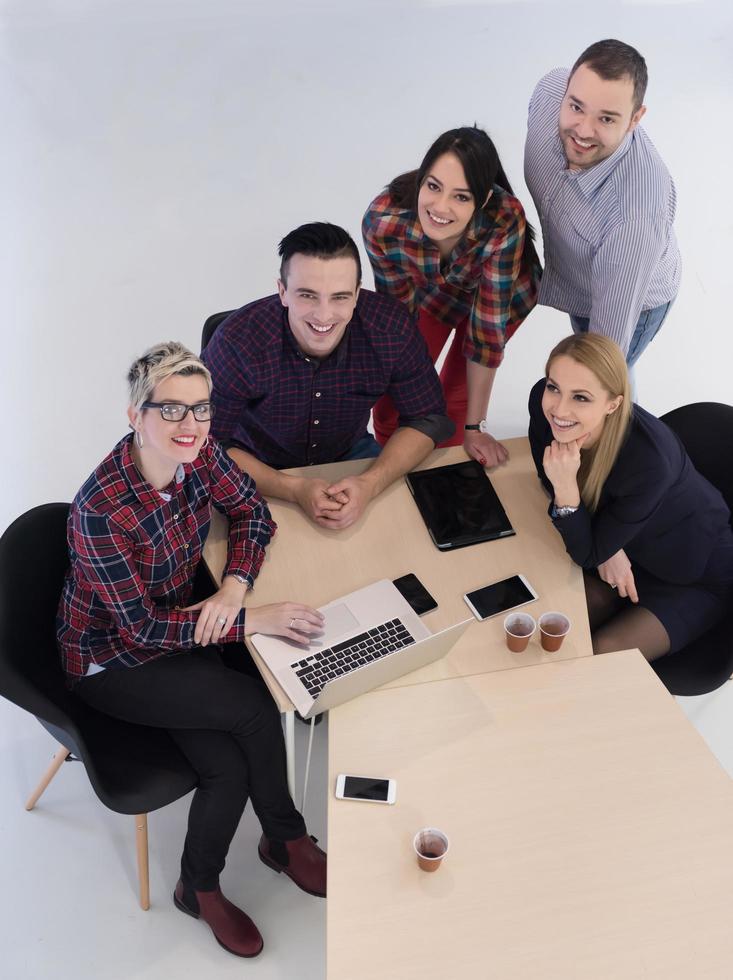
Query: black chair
[706,431]
[132,768]
[211,325]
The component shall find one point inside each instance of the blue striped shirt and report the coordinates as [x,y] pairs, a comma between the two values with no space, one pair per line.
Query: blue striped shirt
[610,249]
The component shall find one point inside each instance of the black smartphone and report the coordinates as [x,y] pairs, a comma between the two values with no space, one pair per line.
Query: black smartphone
[412,589]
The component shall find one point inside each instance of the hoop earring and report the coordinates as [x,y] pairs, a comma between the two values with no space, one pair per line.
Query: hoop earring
[139,439]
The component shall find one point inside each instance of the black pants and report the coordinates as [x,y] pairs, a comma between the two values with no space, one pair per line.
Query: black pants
[228,727]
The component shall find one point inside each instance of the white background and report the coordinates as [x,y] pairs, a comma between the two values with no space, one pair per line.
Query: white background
[152,155]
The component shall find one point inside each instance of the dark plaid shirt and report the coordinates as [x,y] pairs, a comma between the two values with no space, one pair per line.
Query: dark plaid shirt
[289,409]
[134,554]
[488,278]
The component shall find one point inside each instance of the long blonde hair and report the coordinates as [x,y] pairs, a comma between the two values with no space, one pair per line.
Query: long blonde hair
[604,358]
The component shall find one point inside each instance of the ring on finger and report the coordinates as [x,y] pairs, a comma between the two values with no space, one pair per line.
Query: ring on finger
[222,620]
[613,586]
[290,626]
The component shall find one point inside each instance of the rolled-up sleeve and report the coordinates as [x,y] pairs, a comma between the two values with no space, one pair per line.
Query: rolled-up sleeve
[416,392]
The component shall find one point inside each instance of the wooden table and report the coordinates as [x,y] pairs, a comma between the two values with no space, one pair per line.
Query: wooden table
[306,563]
[589,831]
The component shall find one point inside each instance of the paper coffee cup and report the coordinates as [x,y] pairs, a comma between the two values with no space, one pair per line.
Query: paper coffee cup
[554,627]
[431,846]
[519,628]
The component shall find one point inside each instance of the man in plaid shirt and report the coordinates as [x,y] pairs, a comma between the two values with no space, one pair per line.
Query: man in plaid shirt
[297,374]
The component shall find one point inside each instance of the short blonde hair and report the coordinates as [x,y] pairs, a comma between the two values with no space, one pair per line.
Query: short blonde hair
[159,363]
[605,359]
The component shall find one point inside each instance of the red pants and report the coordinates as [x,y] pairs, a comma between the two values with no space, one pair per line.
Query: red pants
[452,380]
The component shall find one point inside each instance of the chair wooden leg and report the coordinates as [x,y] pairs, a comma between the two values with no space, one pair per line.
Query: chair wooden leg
[48,775]
[141,835]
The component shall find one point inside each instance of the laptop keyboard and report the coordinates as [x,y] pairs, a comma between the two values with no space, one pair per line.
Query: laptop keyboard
[317,669]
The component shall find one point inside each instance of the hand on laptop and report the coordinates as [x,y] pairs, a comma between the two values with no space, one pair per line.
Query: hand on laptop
[289,619]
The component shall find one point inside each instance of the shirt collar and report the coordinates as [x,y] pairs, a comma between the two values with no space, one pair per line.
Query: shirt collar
[145,492]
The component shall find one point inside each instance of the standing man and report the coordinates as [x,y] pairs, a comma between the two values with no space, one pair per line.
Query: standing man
[605,198]
[296,376]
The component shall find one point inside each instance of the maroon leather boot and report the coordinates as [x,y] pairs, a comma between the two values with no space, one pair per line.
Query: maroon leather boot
[233,929]
[301,860]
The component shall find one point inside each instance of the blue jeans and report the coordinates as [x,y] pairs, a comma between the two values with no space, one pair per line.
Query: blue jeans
[365,448]
[645,330]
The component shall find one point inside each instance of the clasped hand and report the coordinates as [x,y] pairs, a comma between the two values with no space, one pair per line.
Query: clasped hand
[335,506]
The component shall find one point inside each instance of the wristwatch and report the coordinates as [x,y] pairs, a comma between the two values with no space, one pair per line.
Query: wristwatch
[563,511]
[479,427]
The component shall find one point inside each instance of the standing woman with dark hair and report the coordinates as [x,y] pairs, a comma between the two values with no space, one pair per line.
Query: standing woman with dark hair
[652,535]
[451,241]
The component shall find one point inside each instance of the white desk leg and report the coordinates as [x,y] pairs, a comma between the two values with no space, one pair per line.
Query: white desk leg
[290,749]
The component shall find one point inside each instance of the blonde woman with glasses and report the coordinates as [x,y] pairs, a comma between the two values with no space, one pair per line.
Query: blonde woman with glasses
[134,644]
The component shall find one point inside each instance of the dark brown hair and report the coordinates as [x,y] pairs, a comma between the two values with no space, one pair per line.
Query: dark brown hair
[481,165]
[612,60]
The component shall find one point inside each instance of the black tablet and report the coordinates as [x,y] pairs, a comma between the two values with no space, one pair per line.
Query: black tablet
[459,505]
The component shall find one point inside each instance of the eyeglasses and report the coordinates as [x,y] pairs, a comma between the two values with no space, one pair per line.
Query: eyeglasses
[175,412]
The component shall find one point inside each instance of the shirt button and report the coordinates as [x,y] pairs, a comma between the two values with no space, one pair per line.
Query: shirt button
[176,516]
[315,421]
[313,445]
[318,394]
[186,547]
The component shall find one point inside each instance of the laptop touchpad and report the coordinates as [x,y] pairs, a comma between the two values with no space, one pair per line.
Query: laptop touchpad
[339,619]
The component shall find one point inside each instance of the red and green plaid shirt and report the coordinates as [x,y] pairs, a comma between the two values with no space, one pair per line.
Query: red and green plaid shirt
[487,280]
[134,552]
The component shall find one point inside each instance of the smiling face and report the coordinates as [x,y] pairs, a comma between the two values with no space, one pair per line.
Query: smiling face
[320,296]
[574,402]
[595,116]
[167,444]
[445,204]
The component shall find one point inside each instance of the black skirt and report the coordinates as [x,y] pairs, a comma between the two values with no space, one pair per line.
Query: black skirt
[688,611]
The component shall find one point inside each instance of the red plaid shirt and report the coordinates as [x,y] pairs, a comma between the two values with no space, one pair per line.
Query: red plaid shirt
[134,554]
[487,280]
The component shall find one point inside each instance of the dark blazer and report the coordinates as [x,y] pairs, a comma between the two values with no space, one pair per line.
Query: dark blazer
[654,504]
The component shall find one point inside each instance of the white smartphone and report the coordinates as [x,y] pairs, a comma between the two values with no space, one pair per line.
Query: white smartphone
[500,597]
[367,789]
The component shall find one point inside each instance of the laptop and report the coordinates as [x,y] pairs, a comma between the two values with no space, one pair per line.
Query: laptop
[371,637]
[459,505]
